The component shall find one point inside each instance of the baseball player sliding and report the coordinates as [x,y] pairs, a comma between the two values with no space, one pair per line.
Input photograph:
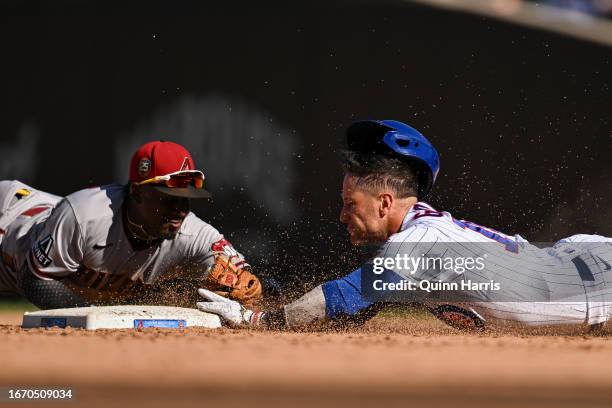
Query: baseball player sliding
[388,167]
[104,245]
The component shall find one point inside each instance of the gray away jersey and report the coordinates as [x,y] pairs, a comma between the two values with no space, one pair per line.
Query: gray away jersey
[81,241]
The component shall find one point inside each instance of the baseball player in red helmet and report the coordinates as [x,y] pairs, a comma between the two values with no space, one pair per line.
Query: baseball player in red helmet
[108,244]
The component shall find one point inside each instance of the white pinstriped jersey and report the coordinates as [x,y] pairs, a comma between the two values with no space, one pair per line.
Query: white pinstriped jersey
[540,286]
[81,241]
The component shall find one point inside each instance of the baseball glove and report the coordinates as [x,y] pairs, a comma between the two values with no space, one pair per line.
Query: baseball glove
[226,279]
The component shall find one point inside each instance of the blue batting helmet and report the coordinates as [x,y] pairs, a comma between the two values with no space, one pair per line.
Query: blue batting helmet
[397,139]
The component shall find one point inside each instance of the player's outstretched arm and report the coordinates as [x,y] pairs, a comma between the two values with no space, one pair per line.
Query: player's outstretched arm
[293,316]
[307,311]
[310,310]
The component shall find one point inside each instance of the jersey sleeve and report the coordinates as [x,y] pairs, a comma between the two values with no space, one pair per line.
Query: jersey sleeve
[344,296]
[57,244]
[205,243]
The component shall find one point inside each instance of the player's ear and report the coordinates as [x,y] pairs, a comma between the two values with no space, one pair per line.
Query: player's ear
[386,202]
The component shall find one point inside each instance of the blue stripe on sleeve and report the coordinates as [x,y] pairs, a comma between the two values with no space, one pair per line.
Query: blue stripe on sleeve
[343,296]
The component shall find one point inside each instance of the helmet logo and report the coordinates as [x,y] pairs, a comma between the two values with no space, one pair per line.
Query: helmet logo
[185,165]
[144,166]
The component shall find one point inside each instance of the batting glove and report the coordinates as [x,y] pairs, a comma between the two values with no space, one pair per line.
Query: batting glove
[232,312]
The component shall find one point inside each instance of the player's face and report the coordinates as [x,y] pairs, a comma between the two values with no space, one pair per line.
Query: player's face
[164,214]
[360,212]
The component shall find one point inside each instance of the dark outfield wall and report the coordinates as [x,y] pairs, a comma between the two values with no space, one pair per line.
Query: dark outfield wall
[261,95]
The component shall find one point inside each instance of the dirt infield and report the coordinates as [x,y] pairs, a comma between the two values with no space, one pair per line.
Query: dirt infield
[391,362]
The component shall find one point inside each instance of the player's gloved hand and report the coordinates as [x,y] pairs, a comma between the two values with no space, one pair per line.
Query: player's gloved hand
[226,279]
[229,310]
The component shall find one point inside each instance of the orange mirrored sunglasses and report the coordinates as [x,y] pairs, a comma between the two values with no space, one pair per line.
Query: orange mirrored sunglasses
[180,179]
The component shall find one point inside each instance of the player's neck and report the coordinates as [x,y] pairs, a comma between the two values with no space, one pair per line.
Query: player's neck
[396,219]
[134,226]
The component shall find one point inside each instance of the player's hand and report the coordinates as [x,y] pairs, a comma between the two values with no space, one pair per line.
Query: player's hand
[226,279]
[232,312]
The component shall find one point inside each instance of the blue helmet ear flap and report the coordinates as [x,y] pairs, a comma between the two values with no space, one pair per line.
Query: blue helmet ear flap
[397,139]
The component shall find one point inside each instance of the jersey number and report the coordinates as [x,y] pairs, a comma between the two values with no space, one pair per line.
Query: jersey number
[510,244]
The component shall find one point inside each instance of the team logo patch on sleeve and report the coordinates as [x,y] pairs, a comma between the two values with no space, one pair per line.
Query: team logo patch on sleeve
[41,251]
[223,246]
